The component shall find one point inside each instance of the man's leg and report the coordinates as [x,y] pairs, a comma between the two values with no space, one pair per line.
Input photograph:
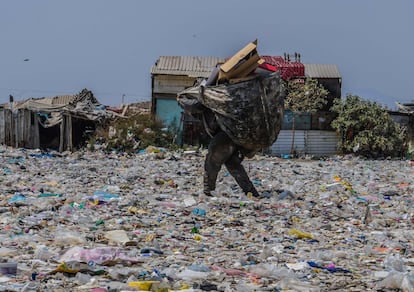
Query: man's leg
[237,170]
[220,149]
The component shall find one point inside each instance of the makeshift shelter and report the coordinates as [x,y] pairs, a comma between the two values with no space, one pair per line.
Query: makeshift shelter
[59,123]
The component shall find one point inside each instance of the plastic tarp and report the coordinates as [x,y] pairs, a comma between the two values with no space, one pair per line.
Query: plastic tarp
[250,112]
[84,105]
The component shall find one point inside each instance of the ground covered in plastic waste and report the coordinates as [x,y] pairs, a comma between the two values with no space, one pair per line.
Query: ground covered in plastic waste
[93,221]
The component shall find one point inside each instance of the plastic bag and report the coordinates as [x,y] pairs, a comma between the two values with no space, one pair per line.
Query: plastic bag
[398,280]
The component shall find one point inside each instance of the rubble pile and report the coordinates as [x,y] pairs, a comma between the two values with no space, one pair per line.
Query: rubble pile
[95,221]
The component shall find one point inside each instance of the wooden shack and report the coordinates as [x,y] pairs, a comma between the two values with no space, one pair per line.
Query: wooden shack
[58,123]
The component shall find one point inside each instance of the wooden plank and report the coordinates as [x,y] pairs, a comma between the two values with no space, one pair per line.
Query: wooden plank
[7,127]
[62,134]
[28,141]
[24,138]
[36,137]
[15,118]
[69,133]
[2,127]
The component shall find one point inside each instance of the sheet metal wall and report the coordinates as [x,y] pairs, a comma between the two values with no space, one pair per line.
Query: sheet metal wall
[171,84]
[311,142]
[303,121]
[168,111]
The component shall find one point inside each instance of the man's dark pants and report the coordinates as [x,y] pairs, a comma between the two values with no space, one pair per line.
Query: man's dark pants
[222,150]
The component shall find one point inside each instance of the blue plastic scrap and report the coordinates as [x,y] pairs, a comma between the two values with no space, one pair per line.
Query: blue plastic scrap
[330,269]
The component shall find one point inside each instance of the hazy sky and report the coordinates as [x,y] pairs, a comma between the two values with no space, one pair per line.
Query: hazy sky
[56,47]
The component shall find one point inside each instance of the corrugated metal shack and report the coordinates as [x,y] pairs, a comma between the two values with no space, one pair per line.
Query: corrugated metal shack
[59,123]
[172,74]
[313,132]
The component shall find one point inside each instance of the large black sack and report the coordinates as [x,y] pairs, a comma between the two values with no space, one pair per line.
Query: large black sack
[249,112]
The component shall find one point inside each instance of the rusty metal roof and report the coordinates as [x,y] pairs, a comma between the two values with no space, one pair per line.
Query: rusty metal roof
[63,99]
[185,65]
[322,71]
[202,67]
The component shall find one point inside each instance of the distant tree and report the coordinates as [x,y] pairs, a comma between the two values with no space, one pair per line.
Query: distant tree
[366,128]
[307,97]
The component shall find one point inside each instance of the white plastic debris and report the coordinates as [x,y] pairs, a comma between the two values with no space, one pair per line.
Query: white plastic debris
[91,220]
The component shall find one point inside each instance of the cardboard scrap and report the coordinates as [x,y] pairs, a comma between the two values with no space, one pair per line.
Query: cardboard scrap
[241,64]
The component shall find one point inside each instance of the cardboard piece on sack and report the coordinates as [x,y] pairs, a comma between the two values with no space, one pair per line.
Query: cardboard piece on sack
[241,64]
